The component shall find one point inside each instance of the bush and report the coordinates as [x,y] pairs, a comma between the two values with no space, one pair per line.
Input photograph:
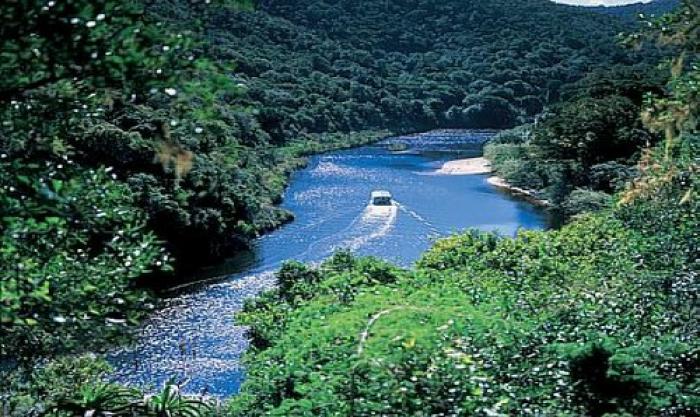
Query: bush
[583,200]
[500,153]
[612,176]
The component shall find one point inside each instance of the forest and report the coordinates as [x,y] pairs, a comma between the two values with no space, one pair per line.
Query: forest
[140,140]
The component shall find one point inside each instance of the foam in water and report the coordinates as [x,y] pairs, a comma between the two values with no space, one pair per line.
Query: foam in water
[375,222]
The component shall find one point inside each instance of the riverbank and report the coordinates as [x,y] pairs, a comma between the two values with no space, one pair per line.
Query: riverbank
[469,166]
[528,195]
[481,165]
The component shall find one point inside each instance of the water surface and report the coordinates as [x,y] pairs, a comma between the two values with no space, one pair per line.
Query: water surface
[194,338]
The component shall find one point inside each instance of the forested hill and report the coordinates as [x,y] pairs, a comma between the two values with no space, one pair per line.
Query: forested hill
[315,66]
[312,67]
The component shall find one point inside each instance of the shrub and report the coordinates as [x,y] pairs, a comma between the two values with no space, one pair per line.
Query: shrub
[582,200]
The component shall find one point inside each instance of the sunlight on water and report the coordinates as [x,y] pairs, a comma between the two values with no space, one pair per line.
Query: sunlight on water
[194,337]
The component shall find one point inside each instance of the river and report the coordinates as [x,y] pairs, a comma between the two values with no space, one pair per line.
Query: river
[194,339]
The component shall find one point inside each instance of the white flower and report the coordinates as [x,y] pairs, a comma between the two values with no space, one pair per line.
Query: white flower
[60,319]
[170,91]
[100,17]
[75,21]
[91,24]
[166,48]
[198,130]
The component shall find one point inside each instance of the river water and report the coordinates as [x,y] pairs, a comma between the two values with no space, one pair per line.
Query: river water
[194,339]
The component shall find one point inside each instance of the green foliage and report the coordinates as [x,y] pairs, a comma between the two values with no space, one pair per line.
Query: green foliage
[318,66]
[74,386]
[592,140]
[72,245]
[589,131]
[582,200]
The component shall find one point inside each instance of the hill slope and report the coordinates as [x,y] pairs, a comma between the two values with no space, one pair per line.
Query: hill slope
[314,66]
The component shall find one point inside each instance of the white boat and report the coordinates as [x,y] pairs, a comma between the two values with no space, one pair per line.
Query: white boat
[381,198]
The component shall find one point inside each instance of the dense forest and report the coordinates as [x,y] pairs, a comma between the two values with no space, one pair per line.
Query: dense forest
[413,65]
[140,137]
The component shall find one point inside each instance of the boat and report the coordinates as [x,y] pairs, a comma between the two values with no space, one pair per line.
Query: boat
[381,198]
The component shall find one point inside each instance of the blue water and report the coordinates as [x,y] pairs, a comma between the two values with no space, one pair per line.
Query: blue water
[194,338]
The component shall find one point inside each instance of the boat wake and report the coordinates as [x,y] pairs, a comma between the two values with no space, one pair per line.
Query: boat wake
[425,222]
[375,222]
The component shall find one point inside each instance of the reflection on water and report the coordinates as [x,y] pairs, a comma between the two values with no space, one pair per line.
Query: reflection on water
[194,337]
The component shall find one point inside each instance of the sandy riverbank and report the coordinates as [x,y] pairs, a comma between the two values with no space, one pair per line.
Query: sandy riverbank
[476,166]
[528,195]
[469,166]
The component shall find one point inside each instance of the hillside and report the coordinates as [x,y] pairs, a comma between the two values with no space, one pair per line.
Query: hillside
[315,66]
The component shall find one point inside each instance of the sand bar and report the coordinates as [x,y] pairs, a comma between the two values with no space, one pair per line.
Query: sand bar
[469,166]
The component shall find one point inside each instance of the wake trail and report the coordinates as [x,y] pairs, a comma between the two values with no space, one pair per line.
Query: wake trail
[315,244]
[433,230]
[376,222]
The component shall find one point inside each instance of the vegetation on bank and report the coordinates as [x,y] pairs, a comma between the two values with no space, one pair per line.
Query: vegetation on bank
[585,148]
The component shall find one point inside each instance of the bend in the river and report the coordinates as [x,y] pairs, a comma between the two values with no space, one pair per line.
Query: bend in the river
[194,337]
